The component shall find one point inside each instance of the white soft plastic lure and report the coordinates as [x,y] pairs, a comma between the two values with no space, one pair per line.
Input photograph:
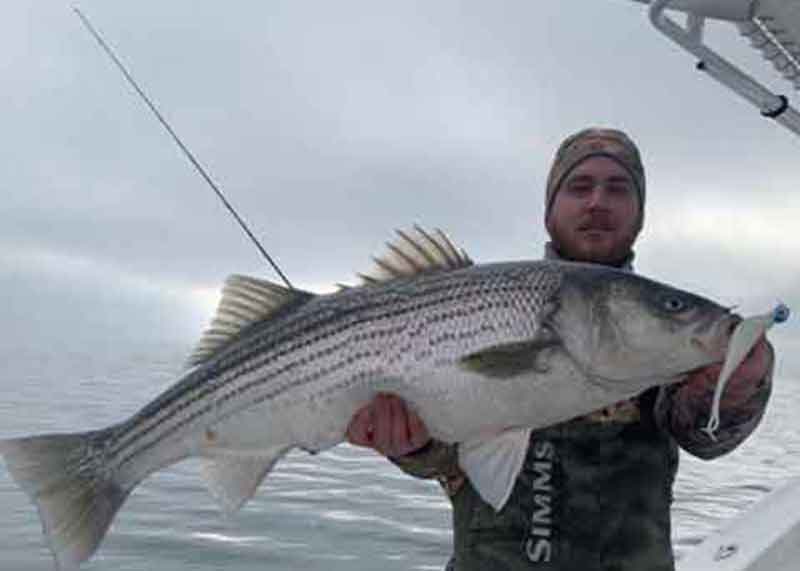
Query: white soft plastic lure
[747,334]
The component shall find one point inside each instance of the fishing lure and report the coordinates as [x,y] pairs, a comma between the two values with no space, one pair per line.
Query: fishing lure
[744,338]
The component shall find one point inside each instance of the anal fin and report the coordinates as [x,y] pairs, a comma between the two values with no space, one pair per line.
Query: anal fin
[493,464]
[232,480]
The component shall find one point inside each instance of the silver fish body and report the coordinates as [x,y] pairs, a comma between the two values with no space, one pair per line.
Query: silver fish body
[476,350]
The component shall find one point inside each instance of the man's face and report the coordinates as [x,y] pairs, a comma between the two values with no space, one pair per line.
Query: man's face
[594,217]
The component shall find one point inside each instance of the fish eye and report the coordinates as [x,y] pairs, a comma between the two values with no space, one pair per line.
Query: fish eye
[674,303]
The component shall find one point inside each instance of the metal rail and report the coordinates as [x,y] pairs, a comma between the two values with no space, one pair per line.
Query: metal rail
[770,105]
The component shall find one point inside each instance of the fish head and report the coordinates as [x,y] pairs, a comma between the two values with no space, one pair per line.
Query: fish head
[622,327]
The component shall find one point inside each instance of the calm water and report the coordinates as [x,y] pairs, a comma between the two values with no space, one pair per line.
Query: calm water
[342,510]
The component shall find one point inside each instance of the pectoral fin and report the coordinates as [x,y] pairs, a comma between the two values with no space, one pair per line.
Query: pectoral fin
[232,480]
[511,359]
[493,464]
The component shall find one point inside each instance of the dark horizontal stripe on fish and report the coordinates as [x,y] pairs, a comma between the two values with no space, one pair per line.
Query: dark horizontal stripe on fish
[158,409]
[346,318]
[305,380]
[280,389]
[210,388]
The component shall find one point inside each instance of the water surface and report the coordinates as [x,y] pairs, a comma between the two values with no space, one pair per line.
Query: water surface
[342,510]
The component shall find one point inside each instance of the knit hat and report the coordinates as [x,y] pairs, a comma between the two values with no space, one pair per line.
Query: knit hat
[595,142]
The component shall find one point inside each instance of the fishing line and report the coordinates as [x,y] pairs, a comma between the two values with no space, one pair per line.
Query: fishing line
[178,142]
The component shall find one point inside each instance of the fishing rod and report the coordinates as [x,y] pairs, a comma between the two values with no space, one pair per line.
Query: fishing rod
[198,167]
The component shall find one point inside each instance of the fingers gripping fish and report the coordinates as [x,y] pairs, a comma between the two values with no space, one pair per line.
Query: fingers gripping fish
[483,353]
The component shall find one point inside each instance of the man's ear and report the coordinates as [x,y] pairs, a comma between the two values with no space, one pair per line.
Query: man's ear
[547,224]
[548,213]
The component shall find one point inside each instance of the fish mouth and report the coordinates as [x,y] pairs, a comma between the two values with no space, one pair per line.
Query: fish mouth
[734,320]
[715,344]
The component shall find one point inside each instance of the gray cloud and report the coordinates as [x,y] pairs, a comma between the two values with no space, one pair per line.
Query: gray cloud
[330,124]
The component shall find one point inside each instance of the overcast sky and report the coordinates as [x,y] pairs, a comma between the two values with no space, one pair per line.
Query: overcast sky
[329,124]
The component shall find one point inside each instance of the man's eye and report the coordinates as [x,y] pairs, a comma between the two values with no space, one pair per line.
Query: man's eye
[580,188]
[620,189]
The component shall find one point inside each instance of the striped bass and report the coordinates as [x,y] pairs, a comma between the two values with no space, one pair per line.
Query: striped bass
[483,353]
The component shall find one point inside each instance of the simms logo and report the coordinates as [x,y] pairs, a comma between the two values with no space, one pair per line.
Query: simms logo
[539,545]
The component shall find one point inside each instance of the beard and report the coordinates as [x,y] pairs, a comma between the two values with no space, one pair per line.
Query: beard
[595,238]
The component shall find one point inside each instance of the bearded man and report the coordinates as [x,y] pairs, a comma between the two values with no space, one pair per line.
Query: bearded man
[595,492]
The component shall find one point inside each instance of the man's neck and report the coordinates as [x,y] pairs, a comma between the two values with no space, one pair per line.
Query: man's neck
[551,253]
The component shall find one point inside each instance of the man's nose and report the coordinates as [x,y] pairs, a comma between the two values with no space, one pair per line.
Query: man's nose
[598,198]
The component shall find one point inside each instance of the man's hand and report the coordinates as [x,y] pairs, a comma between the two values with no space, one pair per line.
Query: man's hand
[744,382]
[388,426]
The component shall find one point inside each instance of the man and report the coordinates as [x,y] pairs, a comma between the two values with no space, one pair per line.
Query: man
[594,492]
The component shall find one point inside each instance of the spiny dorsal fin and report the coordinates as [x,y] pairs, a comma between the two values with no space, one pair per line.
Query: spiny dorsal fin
[414,253]
[245,301]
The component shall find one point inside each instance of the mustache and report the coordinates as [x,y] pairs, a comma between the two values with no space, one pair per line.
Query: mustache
[597,221]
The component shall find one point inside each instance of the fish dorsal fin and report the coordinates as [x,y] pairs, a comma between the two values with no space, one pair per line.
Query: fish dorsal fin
[415,252]
[245,301]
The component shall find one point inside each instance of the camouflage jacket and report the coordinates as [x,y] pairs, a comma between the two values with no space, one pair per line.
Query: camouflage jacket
[595,492]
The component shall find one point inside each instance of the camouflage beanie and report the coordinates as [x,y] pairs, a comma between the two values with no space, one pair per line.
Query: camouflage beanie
[596,142]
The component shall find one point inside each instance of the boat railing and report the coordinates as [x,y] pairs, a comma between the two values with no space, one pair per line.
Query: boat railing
[765,33]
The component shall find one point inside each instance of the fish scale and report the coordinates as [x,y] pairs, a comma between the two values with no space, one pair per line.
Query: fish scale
[250,357]
[462,297]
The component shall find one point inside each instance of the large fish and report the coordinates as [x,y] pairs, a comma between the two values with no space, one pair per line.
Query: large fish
[484,353]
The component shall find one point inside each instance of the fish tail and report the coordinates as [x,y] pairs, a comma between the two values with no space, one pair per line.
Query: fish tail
[73,487]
